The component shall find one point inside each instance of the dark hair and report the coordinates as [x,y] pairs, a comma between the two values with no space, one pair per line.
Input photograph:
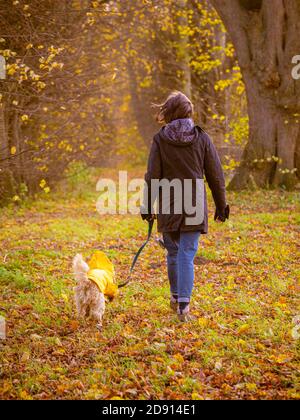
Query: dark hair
[177,105]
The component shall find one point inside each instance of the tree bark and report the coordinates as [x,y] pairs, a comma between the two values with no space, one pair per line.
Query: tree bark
[265,35]
[3,136]
[7,181]
[145,121]
[183,51]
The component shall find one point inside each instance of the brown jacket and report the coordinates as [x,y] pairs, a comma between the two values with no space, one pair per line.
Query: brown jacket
[190,157]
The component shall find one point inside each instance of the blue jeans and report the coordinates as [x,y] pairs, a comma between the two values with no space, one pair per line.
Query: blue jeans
[182,248]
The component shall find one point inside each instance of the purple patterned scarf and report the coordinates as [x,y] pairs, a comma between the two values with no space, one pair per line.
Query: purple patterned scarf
[181,130]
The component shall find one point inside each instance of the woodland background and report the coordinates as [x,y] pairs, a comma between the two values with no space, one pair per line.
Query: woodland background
[82,75]
[75,106]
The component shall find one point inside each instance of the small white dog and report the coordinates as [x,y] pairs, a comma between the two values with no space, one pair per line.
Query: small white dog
[95,280]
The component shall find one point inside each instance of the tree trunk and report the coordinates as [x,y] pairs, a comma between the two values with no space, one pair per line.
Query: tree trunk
[183,50]
[141,108]
[7,181]
[3,137]
[265,39]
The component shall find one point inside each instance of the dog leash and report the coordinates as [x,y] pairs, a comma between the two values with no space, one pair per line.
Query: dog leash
[150,226]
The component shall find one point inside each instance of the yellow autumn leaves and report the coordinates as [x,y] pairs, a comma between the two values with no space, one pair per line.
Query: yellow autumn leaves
[22,72]
[44,186]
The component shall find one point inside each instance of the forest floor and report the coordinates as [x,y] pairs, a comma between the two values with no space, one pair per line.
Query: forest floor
[242,344]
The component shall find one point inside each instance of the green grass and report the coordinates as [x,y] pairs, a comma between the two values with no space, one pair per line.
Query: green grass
[14,279]
[246,295]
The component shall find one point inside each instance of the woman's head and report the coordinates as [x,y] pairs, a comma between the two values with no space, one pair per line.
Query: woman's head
[177,105]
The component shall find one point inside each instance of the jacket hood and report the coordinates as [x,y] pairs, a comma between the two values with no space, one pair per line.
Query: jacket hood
[181,132]
[100,261]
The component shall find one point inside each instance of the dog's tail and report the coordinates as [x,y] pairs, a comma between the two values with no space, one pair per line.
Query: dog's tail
[80,267]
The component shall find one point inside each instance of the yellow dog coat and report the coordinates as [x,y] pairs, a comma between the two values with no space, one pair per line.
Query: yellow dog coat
[102,274]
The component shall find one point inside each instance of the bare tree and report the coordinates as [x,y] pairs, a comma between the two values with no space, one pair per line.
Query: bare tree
[54,101]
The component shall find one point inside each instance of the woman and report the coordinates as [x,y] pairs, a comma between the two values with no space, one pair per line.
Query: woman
[182,151]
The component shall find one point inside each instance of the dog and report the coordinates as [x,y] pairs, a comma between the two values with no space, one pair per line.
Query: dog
[95,281]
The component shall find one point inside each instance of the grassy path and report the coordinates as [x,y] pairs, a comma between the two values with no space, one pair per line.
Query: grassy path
[246,295]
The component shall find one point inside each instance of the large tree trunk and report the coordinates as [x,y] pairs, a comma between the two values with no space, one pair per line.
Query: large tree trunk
[265,35]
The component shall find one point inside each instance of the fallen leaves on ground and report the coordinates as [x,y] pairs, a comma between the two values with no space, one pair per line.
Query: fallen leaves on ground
[241,345]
